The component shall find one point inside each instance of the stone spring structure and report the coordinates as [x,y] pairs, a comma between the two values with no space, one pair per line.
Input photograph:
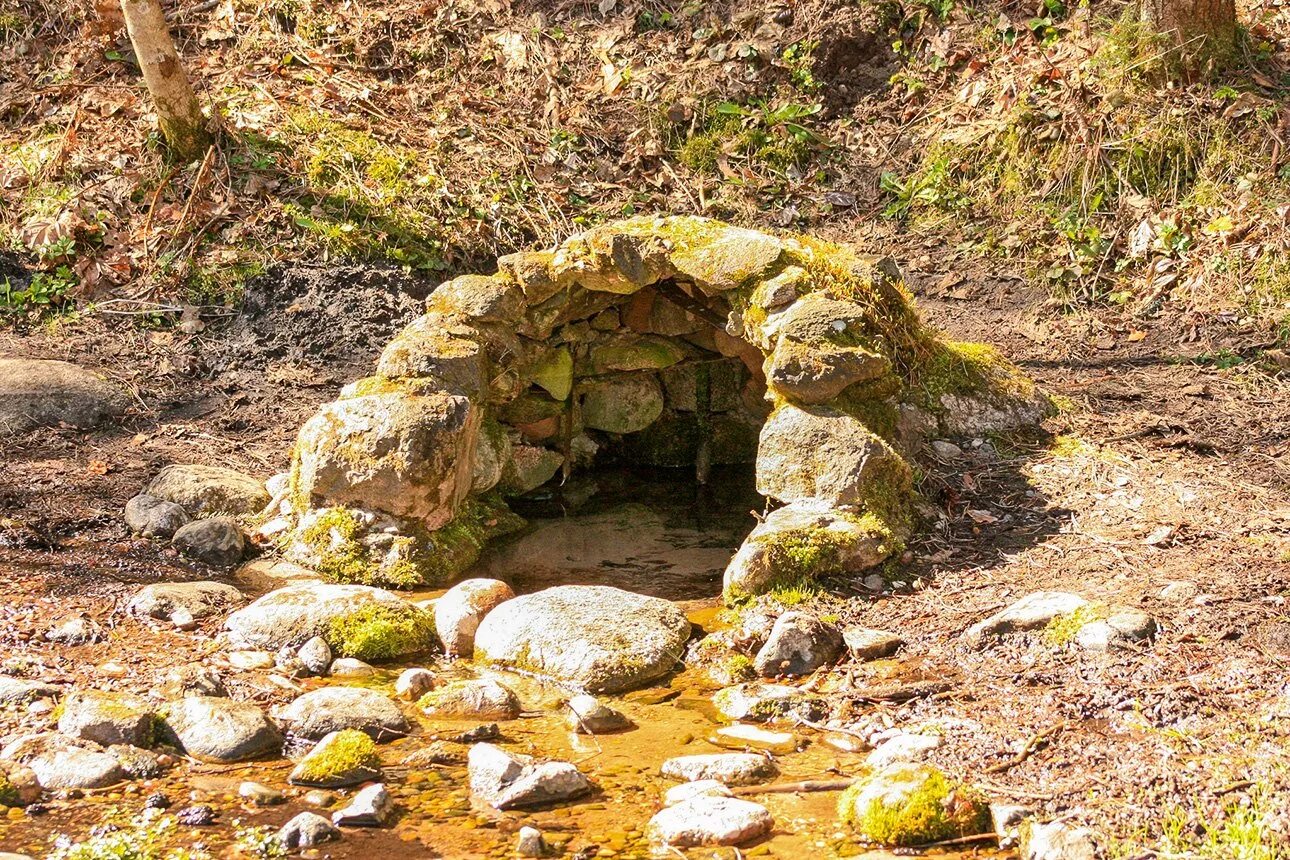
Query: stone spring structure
[672,341]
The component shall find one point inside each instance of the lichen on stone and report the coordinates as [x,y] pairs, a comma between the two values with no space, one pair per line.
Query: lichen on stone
[349,751]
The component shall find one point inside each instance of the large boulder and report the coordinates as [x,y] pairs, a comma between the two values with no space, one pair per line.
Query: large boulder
[1029,613]
[209,489]
[318,713]
[436,352]
[35,393]
[297,613]
[406,454]
[819,452]
[597,638]
[199,599]
[218,729]
[61,763]
[803,541]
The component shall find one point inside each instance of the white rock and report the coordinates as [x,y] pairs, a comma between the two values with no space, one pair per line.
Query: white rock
[742,736]
[350,667]
[414,683]
[690,790]
[61,763]
[201,599]
[457,614]
[904,746]
[370,807]
[507,781]
[330,709]
[1058,840]
[727,768]
[1029,613]
[307,830]
[710,820]
[315,655]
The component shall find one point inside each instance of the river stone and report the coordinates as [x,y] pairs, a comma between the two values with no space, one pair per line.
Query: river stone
[710,821]
[37,392]
[1122,626]
[297,613]
[107,718]
[137,763]
[798,645]
[1058,840]
[371,807]
[588,715]
[330,709]
[341,758]
[755,702]
[406,455]
[726,768]
[315,656]
[350,667]
[209,489]
[457,614]
[903,746]
[600,638]
[216,541]
[61,763]
[23,786]
[741,736]
[218,729]
[530,843]
[508,781]
[690,790]
[866,644]
[1029,613]
[622,404]
[307,830]
[414,683]
[817,373]
[527,468]
[486,298]
[192,680]
[200,599]
[20,691]
[821,453]
[154,517]
[482,699]
[77,630]
[853,545]
[258,794]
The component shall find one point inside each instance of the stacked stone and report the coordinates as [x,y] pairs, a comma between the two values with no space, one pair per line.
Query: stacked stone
[673,338]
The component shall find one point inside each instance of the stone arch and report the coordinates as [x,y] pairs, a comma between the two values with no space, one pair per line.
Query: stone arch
[678,329]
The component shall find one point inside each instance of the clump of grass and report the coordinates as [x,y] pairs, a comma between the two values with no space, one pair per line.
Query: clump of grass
[147,837]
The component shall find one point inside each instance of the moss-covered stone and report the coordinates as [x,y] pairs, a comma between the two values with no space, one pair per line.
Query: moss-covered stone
[553,372]
[627,353]
[910,804]
[381,632]
[342,758]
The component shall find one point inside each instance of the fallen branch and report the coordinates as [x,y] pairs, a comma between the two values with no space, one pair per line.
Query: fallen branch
[1036,740]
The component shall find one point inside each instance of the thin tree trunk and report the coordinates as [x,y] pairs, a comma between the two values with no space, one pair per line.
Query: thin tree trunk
[178,112]
[1201,29]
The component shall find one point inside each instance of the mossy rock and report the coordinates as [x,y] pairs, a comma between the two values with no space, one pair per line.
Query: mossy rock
[906,805]
[381,632]
[674,440]
[627,353]
[623,404]
[346,757]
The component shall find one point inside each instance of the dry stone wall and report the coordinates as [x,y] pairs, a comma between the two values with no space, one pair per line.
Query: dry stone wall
[675,341]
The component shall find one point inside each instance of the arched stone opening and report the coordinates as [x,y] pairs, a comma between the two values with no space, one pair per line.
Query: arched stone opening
[674,342]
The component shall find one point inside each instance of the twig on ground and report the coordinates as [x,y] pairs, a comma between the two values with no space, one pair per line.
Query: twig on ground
[1036,740]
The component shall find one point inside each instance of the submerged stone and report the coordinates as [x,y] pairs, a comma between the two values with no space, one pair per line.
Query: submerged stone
[726,768]
[710,821]
[507,781]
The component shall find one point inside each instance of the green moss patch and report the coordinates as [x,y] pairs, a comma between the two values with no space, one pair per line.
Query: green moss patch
[381,632]
[339,759]
[932,810]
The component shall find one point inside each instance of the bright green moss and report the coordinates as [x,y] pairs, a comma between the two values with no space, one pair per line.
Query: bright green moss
[1063,629]
[348,753]
[933,810]
[381,632]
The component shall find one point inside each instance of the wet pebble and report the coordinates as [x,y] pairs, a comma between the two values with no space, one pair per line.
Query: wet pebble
[260,795]
[200,815]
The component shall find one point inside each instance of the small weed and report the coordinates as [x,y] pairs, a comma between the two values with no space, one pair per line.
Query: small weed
[47,294]
[259,842]
[799,60]
[118,838]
